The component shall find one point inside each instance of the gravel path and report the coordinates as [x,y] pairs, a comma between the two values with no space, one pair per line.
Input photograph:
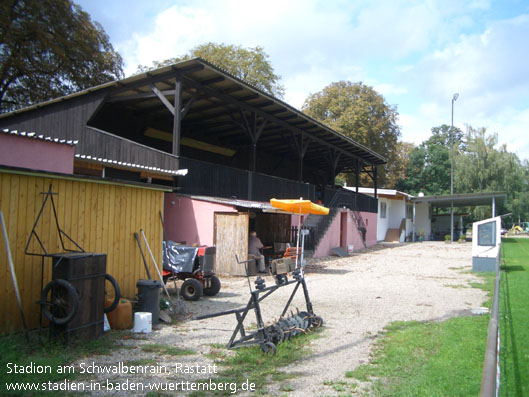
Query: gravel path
[357,297]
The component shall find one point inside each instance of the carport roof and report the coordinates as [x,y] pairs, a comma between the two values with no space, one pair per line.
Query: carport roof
[462,200]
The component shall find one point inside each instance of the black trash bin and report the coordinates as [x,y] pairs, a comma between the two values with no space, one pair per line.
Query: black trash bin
[149,298]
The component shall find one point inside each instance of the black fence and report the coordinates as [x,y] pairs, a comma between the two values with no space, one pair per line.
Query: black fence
[349,199]
[208,179]
[265,187]
[309,243]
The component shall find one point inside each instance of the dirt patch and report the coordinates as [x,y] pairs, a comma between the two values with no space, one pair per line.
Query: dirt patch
[357,297]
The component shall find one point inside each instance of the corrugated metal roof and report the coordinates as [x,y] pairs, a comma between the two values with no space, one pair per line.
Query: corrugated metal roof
[251,205]
[140,167]
[34,135]
[258,205]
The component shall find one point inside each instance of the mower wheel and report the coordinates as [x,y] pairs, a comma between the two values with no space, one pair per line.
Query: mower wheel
[268,348]
[191,289]
[214,286]
[317,322]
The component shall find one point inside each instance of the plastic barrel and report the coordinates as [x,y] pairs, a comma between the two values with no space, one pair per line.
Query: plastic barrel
[121,316]
[149,298]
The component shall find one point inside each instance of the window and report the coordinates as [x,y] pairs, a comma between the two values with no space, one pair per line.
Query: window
[409,211]
[383,207]
[487,234]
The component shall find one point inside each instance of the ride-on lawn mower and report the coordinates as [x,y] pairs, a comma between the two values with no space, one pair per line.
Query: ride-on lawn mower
[194,265]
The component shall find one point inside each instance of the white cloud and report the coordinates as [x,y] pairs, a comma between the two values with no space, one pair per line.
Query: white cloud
[417,54]
[294,32]
[489,72]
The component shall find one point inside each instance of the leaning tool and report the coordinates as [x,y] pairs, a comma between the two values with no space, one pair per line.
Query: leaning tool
[143,256]
[156,267]
[13,275]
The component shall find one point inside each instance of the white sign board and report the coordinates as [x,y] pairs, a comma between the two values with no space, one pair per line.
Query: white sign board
[486,244]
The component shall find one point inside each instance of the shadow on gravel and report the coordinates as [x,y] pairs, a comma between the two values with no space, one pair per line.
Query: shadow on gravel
[315,269]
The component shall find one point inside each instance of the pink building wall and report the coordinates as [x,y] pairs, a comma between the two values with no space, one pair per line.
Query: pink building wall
[190,221]
[36,154]
[352,234]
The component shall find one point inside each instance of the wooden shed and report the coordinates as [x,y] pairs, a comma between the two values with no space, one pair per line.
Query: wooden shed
[100,215]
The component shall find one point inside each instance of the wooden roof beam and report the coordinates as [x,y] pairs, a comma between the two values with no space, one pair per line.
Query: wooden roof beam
[229,99]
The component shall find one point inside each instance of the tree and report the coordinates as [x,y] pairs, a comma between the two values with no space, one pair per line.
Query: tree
[358,112]
[429,166]
[479,166]
[485,167]
[248,64]
[50,48]
[397,169]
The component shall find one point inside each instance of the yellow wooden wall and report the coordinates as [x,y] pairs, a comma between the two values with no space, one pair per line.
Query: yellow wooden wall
[100,217]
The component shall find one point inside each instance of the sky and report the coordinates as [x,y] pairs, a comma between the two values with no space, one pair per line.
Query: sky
[417,54]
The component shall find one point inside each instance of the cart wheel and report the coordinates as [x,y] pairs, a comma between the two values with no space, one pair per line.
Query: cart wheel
[317,322]
[191,289]
[63,303]
[268,348]
[214,287]
[117,294]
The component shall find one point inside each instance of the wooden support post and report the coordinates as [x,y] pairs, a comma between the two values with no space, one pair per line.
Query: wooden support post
[375,179]
[250,185]
[334,158]
[254,155]
[254,133]
[300,169]
[177,119]
[357,174]
[301,149]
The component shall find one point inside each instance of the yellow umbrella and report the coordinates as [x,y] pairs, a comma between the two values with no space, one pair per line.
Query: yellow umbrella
[299,206]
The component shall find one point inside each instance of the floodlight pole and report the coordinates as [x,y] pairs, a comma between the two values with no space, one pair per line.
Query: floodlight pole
[454,98]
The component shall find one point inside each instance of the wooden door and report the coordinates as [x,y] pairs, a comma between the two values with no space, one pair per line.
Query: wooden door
[343,230]
[231,238]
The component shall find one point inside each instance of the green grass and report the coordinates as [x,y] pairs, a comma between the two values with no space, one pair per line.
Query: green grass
[429,358]
[40,351]
[514,318]
[250,364]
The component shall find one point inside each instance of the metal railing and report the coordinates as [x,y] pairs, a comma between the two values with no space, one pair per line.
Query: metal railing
[490,379]
[352,200]
[209,179]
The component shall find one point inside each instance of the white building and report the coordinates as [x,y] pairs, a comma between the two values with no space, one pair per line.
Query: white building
[396,214]
[403,217]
